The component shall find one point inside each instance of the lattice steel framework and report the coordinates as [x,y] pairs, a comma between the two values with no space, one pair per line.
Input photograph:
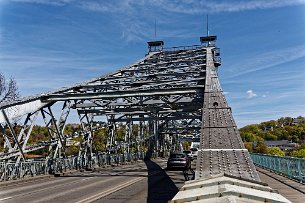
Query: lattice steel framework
[171,91]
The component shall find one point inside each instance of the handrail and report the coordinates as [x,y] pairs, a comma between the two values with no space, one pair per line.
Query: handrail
[290,167]
[11,170]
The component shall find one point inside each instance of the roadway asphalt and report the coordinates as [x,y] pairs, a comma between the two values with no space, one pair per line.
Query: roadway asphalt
[292,190]
[140,182]
[137,183]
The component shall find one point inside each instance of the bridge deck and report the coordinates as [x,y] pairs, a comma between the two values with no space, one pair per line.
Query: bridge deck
[284,185]
[157,185]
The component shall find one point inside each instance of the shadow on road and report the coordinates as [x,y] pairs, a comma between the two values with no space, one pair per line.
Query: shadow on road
[160,186]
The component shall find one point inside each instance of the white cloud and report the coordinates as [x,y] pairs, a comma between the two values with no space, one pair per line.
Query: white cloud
[260,115]
[205,6]
[101,7]
[235,6]
[48,2]
[268,60]
[137,27]
[189,6]
[251,94]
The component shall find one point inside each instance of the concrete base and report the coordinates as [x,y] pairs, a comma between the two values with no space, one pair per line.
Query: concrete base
[222,188]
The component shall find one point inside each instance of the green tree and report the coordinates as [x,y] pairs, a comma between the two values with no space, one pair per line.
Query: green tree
[281,129]
[270,136]
[121,131]
[261,148]
[72,150]
[186,145]
[276,151]
[249,146]
[250,128]
[300,153]
[302,146]
[248,136]
[1,143]
[100,139]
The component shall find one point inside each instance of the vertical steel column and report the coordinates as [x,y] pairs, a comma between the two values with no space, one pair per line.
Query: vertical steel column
[126,139]
[54,132]
[85,155]
[156,136]
[140,135]
[113,140]
[129,134]
[151,134]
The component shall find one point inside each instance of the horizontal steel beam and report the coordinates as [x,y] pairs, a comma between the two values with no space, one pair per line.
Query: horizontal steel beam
[120,94]
[166,118]
[98,112]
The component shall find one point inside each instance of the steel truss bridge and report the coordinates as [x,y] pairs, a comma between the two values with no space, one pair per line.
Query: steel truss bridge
[171,92]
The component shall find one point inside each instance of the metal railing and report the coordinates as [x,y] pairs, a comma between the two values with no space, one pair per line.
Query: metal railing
[11,170]
[217,59]
[290,167]
[182,48]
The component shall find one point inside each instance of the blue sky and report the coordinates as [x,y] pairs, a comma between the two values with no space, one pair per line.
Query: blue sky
[48,44]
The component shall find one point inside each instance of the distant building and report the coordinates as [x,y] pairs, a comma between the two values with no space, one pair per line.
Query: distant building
[284,145]
[268,129]
[71,142]
[298,120]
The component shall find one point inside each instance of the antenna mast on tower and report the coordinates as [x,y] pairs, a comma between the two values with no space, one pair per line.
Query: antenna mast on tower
[207,24]
[155,29]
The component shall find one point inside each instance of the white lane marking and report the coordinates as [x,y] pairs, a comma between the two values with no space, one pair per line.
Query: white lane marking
[56,195]
[35,185]
[46,188]
[87,178]
[206,150]
[109,191]
[6,198]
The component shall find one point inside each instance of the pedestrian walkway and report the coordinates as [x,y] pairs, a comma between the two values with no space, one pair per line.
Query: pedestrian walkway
[290,189]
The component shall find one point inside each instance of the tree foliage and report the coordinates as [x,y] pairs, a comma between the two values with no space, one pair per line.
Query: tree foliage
[100,137]
[276,151]
[300,153]
[281,129]
[261,148]
[249,146]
